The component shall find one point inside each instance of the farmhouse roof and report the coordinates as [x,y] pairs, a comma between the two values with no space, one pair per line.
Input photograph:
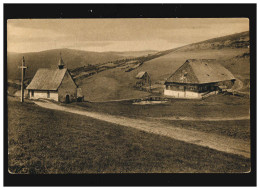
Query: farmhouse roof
[199,71]
[140,75]
[47,79]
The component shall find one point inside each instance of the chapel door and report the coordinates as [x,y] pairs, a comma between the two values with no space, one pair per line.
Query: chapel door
[67,99]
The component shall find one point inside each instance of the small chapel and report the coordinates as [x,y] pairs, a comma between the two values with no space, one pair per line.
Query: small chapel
[55,84]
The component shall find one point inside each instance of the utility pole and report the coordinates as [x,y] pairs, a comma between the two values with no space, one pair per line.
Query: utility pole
[23,73]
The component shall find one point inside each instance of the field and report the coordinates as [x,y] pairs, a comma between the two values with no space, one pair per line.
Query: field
[48,141]
[214,106]
[218,106]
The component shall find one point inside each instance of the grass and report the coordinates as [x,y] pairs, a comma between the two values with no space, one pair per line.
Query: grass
[221,106]
[49,141]
[213,106]
[235,129]
[111,84]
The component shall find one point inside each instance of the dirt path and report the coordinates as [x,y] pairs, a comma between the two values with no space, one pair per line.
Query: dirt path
[214,141]
[240,86]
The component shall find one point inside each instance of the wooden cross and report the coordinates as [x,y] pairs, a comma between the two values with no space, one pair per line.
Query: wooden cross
[23,73]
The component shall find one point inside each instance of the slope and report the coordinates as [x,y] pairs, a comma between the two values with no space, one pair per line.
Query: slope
[72,58]
[116,83]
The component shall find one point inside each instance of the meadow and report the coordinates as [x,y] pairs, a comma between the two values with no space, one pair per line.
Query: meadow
[219,105]
[216,106]
[51,142]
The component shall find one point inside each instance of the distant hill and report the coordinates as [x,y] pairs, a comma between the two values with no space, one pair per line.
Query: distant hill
[72,58]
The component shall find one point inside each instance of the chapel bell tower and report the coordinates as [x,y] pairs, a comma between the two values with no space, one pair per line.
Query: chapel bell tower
[61,63]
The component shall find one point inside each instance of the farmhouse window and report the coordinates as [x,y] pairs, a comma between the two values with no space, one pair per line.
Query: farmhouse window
[32,93]
[48,94]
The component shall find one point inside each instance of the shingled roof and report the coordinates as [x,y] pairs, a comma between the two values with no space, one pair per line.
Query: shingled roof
[47,79]
[199,71]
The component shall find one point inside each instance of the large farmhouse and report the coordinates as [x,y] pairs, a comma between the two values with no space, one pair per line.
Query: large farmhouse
[56,84]
[198,77]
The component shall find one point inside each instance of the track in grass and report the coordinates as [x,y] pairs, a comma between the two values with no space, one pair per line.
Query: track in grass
[214,141]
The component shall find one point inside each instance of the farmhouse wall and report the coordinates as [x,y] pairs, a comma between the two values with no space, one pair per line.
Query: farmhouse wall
[182,94]
[180,87]
[67,87]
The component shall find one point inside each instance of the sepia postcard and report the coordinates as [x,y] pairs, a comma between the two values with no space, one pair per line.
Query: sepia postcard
[128,95]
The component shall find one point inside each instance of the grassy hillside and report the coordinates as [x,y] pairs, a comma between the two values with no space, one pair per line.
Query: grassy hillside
[72,58]
[111,84]
[218,106]
[162,67]
[238,40]
[59,142]
[116,83]
[225,49]
[134,53]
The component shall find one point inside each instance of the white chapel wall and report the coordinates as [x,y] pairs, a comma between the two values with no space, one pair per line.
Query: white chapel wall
[43,94]
[54,96]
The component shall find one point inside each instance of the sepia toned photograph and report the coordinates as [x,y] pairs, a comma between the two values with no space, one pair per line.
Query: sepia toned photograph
[128,95]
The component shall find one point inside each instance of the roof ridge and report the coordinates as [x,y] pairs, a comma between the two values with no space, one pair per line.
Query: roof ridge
[201,60]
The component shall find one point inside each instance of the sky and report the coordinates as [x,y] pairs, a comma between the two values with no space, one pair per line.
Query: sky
[34,35]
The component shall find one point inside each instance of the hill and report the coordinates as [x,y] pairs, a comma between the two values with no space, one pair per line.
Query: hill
[73,59]
[116,83]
